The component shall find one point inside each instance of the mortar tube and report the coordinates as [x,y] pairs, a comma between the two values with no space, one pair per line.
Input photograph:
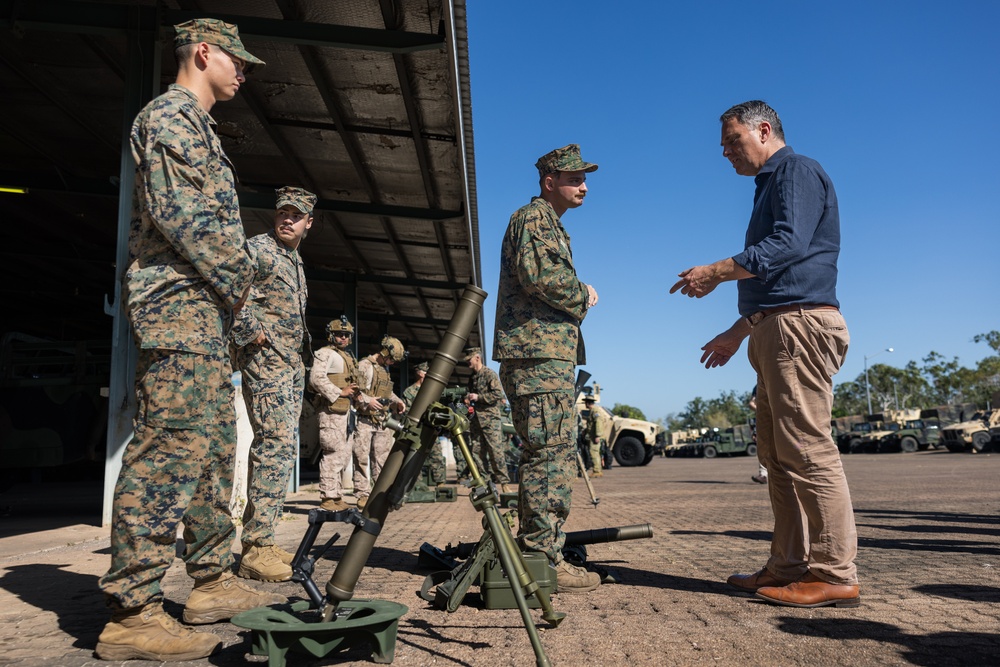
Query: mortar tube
[345,577]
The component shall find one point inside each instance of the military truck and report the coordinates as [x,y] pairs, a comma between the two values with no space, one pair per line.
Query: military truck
[632,442]
[735,440]
[972,435]
[920,433]
[852,442]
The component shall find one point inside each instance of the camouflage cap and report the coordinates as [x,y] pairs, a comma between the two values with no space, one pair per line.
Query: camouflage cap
[303,200]
[422,367]
[471,352]
[566,158]
[214,31]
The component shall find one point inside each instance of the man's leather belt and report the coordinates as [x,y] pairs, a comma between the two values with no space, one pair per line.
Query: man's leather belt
[767,312]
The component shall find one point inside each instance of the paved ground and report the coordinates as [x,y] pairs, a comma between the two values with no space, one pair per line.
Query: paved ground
[930,564]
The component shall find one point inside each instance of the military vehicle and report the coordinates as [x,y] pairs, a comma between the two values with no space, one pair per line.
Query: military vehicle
[852,442]
[919,433]
[631,441]
[883,433]
[735,440]
[973,434]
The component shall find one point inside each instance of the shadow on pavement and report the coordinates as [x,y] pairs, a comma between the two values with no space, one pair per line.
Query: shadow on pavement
[935,649]
[74,598]
[628,576]
[962,592]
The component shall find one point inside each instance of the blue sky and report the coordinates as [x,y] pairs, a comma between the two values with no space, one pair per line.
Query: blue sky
[895,99]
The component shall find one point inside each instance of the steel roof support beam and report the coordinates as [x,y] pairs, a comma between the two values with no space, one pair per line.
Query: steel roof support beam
[265,201]
[326,276]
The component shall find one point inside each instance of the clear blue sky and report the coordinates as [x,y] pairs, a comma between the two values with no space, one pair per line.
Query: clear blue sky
[897,100]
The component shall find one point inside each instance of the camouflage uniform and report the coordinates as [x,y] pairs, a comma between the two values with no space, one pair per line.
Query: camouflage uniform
[273,376]
[435,459]
[188,267]
[330,361]
[540,305]
[597,427]
[486,429]
[372,441]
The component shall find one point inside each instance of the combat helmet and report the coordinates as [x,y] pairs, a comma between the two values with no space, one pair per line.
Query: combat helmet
[392,349]
[337,326]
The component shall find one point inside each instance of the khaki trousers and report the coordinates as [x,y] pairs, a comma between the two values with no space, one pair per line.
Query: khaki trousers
[796,354]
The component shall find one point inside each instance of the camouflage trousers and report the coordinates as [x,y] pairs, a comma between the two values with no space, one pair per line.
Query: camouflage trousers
[488,447]
[177,467]
[437,464]
[371,448]
[542,408]
[272,390]
[336,454]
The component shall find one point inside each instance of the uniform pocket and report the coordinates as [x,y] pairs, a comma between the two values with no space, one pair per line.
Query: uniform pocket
[175,389]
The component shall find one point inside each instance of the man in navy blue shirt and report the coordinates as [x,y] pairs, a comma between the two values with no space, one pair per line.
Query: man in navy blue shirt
[787,283]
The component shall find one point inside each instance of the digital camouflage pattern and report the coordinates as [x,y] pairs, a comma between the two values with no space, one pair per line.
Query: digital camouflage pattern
[435,458]
[214,31]
[188,267]
[301,199]
[333,438]
[273,379]
[540,305]
[372,441]
[540,300]
[486,427]
[566,158]
[188,263]
[545,421]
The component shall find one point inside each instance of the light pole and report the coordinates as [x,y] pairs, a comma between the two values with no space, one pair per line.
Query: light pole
[868,390]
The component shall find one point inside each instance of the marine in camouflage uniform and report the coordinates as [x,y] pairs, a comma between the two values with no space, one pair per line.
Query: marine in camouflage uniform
[188,272]
[435,459]
[372,440]
[597,426]
[486,397]
[540,305]
[270,334]
[334,377]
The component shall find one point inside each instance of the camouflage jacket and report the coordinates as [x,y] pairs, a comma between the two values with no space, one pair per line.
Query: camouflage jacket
[277,301]
[327,361]
[486,383]
[410,393]
[598,424]
[366,382]
[540,301]
[188,263]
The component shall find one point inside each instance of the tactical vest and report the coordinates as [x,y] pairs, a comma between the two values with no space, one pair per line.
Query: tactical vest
[341,380]
[381,388]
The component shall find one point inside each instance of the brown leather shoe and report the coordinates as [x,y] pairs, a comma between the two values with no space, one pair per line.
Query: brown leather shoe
[749,583]
[811,591]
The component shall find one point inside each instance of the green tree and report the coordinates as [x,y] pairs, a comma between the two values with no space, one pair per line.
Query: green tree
[627,411]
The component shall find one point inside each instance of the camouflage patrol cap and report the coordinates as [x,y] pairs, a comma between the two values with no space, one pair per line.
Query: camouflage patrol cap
[566,158]
[213,31]
[422,367]
[303,200]
[471,352]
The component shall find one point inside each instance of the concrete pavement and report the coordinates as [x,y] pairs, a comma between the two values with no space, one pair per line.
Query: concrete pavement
[929,526]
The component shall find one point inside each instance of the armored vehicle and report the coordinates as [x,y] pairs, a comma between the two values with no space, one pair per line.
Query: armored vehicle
[735,440]
[852,442]
[971,435]
[631,441]
[919,433]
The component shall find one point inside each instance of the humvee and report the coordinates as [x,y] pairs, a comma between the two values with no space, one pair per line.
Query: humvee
[735,440]
[631,441]
[971,435]
[920,433]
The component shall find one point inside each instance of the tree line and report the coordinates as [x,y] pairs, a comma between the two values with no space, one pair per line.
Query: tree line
[936,380]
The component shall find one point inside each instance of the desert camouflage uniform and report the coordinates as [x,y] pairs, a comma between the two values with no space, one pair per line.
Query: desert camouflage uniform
[435,459]
[597,426]
[540,305]
[333,439]
[486,429]
[273,379]
[372,441]
[188,267]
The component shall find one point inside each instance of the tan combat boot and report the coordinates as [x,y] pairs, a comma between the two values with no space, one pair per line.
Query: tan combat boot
[573,579]
[265,564]
[596,473]
[286,556]
[362,501]
[149,633]
[333,505]
[221,597]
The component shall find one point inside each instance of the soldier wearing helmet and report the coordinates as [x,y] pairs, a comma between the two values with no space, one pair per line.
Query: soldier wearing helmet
[372,440]
[334,377]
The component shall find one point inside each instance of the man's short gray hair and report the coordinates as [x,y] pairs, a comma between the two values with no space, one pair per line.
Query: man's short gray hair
[753,113]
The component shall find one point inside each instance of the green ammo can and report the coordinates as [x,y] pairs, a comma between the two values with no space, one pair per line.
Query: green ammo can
[495,587]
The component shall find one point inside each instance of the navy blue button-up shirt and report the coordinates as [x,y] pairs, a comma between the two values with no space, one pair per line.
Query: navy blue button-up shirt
[793,239]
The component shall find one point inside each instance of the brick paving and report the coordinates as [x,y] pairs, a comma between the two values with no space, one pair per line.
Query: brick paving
[929,526]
